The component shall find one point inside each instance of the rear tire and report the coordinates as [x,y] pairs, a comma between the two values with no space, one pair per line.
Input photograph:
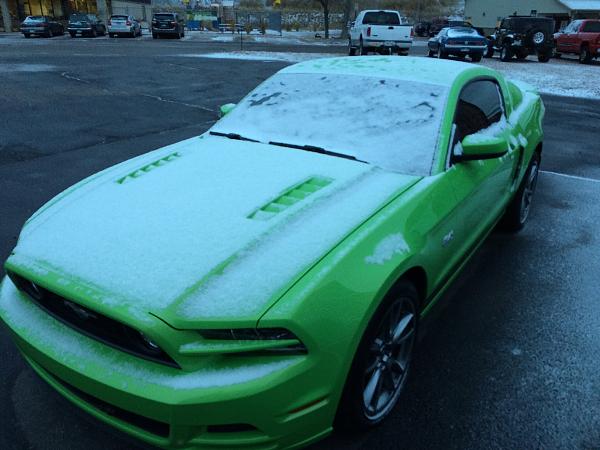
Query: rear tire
[361,48]
[384,355]
[518,210]
[431,53]
[351,50]
[543,57]
[72,35]
[506,53]
[585,57]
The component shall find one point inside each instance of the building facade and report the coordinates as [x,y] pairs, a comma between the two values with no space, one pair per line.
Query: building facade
[487,13]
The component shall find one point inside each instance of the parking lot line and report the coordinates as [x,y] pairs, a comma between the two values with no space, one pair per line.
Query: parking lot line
[575,177]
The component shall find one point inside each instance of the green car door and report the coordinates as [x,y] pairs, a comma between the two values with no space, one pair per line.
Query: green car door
[481,187]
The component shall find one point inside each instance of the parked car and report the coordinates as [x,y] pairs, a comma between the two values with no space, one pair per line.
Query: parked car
[86,25]
[167,24]
[522,36]
[41,26]
[438,24]
[119,24]
[422,29]
[380,31]
[580,37]
[458,41]
[264,282]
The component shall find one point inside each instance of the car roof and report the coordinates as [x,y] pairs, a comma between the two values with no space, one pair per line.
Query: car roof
[532,18]
[408,68]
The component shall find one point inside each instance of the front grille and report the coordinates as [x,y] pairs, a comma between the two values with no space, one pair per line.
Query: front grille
[150,425]
[92,323]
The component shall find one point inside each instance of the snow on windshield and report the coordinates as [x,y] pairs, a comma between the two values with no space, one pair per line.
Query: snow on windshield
[393,124]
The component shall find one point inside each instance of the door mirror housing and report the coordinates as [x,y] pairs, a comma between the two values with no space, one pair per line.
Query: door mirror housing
[478,147]
[226,109]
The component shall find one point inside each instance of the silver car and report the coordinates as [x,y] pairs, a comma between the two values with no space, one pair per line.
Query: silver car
[122,24]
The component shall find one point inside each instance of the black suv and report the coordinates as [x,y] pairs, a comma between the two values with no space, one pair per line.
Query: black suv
[86,24]
[522,36]
[166,23]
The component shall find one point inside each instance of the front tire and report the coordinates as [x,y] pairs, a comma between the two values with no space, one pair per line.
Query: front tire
[476,58]
[382,361]
[518,210]
[441,54]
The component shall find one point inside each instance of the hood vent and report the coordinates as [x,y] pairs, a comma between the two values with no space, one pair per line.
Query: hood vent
[148,167]
[290,197]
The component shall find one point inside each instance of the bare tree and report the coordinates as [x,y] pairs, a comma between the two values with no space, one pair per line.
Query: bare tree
[348,4]
[325,6]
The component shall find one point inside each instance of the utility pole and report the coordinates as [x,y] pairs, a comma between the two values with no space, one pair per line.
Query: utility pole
[6,16]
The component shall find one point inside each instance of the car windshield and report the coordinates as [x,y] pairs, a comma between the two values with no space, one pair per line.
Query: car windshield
[164,16]
[462,31]
[391,123]
[381,18]
[35,19]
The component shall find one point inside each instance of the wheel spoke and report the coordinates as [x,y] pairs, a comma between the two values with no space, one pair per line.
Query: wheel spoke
[401,328]
[373,389]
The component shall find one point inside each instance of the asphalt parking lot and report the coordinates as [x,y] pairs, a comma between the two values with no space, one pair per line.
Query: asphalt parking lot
[513,361]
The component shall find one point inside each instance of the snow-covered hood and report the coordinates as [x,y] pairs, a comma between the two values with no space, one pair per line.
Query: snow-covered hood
[205,229]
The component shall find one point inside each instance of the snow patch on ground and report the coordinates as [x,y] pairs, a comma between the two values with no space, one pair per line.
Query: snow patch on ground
[262,56]
[557,77]
[13,68]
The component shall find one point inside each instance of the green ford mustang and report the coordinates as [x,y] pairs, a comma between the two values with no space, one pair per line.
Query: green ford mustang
[264,282]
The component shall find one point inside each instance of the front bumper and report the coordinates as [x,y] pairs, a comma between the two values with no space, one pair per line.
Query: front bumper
[233,402]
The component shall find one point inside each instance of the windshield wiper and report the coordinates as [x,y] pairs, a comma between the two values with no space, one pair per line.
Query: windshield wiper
[315,149]
[234,136]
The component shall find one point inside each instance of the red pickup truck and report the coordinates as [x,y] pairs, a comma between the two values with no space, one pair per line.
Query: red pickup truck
[581,37]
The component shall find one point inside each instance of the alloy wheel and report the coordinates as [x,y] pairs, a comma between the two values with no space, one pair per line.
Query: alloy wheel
[528,191]
[538,37]
[389,359]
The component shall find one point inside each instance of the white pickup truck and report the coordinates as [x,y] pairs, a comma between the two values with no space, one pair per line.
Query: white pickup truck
[382,31]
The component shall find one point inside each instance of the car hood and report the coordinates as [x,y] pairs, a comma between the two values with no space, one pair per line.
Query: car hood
[203,230]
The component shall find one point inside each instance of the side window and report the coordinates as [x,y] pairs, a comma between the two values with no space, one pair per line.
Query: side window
[591,27]
[480,105]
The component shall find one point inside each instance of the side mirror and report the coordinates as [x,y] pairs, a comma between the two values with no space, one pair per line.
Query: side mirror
[226,109]
[477,147]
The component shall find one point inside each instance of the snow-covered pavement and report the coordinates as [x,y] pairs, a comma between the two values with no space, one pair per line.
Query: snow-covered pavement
[558,77]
